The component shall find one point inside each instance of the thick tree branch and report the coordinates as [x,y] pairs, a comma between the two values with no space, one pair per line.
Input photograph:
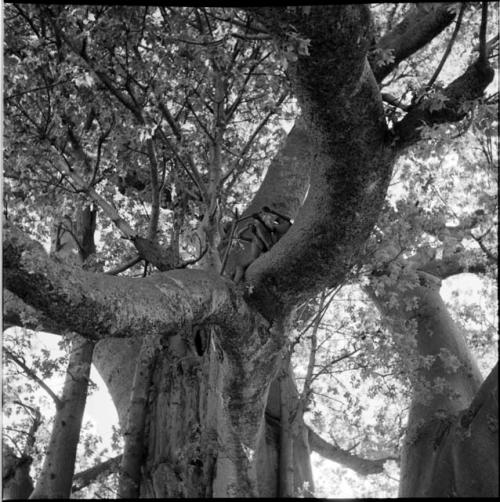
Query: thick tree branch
[16,480]
[97,305]
[17,313]
[163,258]
[286,470]
[467,87]
[450,266]
[125,266]
[85,478]
[358,464]
[344,117]
[417,29]
[463,446]
[286,182]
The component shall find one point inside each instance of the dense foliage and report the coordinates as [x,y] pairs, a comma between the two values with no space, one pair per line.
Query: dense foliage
[165,119]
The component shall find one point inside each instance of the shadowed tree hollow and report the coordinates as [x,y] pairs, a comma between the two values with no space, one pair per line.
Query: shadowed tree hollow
[187,192]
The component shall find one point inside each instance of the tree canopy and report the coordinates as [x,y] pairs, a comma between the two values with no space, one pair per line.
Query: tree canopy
[144,148]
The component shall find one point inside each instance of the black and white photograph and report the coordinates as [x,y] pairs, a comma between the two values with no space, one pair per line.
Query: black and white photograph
[249,250]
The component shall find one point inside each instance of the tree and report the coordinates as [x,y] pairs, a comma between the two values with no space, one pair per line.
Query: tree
[134,139]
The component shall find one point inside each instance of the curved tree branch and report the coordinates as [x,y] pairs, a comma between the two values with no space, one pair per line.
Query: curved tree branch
[97,305]
[448,48]
[344,117]
[358,464]
[450,266]
[467,87]
[17,313]
[84,478]
[286,182]
[417,29]
[124,266]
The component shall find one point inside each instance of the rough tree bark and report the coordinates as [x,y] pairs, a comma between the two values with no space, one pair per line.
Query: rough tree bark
[451,443]
[224,413]
[213,413]
[16,480]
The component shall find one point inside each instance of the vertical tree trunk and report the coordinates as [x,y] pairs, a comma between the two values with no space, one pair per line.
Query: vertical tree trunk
[59,464]
[133,451]
[190,445]
[85,224]
[464,462]
[286,471]
[433,459]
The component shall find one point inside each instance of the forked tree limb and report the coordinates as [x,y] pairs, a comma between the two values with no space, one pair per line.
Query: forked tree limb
[97,305]
[464,89]
[344,118]
[420,26]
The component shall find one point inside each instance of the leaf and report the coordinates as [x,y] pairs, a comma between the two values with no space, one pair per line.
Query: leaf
[436,102]
[85,80]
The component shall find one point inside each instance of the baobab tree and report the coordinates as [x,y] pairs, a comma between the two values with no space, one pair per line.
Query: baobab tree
[135,138]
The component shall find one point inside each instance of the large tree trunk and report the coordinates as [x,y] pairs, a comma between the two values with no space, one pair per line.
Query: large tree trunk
[194,410]
[207,419]
[16,480]
[441,454]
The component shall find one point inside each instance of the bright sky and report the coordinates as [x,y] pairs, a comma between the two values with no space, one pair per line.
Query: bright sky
[99,409]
